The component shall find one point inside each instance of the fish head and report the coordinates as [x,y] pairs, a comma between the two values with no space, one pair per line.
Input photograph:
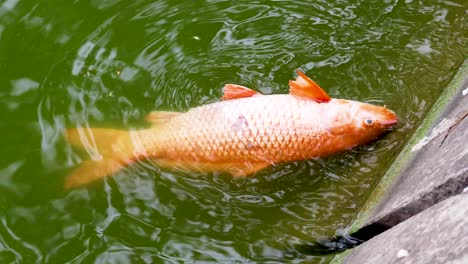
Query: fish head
[357,123]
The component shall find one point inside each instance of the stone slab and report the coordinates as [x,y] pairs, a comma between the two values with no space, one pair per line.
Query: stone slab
[437,235]
[432,167]
[437,167]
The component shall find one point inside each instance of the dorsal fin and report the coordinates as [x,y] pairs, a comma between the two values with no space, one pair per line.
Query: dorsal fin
[303,86]
[160,117]
[234,91]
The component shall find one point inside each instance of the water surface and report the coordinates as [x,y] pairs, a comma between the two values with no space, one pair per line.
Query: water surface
[109,63]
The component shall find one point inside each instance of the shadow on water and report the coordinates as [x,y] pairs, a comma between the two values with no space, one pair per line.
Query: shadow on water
[343,242]
[109,63]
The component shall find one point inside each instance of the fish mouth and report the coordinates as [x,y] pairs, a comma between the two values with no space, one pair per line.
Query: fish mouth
[388,123]
[389,120]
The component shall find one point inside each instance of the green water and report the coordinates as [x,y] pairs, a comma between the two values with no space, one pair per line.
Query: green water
[108,63]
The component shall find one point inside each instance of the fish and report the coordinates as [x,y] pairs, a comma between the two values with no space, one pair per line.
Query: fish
[242,134]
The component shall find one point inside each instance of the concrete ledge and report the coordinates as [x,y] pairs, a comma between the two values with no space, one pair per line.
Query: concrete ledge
[437,170]
[433,167]
[436,235]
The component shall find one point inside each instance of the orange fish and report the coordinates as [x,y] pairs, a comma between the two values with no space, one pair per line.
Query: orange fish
[241,135]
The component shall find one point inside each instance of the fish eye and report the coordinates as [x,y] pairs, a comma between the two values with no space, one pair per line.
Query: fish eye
[369,122]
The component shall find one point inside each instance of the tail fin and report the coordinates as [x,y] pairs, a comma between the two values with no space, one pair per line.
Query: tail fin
[109,149]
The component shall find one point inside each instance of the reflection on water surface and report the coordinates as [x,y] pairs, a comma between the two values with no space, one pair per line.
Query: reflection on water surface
[108,63]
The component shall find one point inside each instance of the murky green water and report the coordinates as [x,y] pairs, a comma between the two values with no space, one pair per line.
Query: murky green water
[108,63]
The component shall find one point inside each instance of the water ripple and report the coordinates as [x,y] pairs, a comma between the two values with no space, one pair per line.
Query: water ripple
[128,58]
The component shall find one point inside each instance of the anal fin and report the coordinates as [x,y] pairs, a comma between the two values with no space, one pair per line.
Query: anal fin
[248,169]
[236,169]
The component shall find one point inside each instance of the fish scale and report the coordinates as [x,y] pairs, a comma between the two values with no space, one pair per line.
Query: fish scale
[242,134]
[247,130]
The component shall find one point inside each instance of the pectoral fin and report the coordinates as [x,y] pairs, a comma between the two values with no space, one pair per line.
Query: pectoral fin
[303,86]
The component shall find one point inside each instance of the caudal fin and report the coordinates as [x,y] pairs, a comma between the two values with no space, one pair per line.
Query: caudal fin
[109,150]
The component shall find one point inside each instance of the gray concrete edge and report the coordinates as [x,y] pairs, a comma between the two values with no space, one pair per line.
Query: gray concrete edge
[405,157]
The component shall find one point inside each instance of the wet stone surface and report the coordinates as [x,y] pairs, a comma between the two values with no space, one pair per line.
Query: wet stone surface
[436,235]
[438,169]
